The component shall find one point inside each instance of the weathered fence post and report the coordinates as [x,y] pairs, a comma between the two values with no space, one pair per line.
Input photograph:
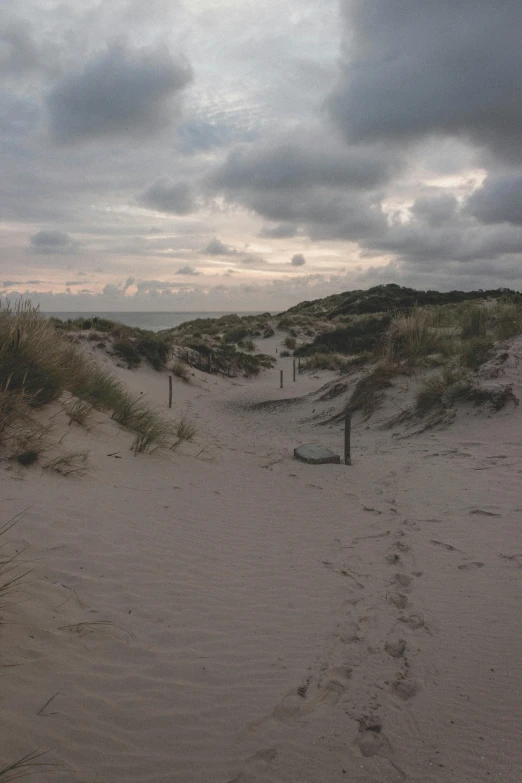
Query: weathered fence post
[281,374]
[347,439]
[170,391]
[294,370]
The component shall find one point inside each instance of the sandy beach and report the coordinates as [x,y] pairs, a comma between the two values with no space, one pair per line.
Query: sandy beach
[224,613]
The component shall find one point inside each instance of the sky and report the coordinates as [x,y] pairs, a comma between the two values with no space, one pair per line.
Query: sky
[192,155]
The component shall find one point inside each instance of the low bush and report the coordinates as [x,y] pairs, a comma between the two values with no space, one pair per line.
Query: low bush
[290,343]
[363,334]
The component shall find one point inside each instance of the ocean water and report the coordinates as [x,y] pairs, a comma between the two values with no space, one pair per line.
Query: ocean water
[152,321]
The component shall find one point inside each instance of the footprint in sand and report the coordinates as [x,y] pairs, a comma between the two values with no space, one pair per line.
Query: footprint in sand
[448,547]
[413,621]
[405,687]
[482,512]
[470,566]
[350,632]
[370,739]
[395,647]
[403,580]
[398,599]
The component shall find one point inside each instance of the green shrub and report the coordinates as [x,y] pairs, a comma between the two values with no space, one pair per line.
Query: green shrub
[128,351]
[290,343]
[362,334]
[236,334]
[248,345]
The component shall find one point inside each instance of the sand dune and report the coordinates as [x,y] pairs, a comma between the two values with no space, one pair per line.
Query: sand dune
[224,613]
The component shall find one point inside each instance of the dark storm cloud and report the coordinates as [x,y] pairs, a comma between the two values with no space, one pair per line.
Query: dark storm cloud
[217,248]
[48,242]
[499,200]
[310,179]
[279,231]
[298,260]
[121,92]
[165,195]
[417,68]
[302,161]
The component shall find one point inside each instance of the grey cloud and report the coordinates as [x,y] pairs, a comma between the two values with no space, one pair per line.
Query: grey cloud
[122,92]
[187,270]
[310,179]
[499,200]
[279,231]
[165,195]
[217,248]
[435,210]
[415,69]
[298,259]
[18,51]
[47,242]
[302,160]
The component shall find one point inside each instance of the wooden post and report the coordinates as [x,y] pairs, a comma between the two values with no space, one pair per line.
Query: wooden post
[281,372]
[347,439]
[170,391]
[294,370]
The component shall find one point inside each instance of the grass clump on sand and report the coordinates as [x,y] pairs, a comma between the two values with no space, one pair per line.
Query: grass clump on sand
[436,387]
[449,386]
[474,321]
[25,766]
[10,574]
[38,363]
[369,390]
[507,318]
[180,370]
[412,337]
[475,351]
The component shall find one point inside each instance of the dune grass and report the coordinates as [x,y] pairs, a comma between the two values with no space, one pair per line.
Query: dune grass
[38,363]
[25,766]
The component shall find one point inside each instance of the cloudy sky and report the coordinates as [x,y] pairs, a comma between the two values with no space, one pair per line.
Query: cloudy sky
[232,154]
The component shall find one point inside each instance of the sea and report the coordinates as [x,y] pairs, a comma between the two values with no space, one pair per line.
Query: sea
[154,322]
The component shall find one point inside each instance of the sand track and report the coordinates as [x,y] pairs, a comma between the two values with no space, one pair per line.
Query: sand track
[225,613]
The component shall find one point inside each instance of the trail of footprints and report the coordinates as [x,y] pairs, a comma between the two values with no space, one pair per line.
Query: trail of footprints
[370,652]
[367,655]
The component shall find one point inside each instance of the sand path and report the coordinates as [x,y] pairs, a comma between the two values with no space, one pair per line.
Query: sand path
[225,613]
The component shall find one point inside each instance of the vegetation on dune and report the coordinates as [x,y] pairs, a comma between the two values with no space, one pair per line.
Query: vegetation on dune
[362,334]
[388,298]
[130,344]
[38,365]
